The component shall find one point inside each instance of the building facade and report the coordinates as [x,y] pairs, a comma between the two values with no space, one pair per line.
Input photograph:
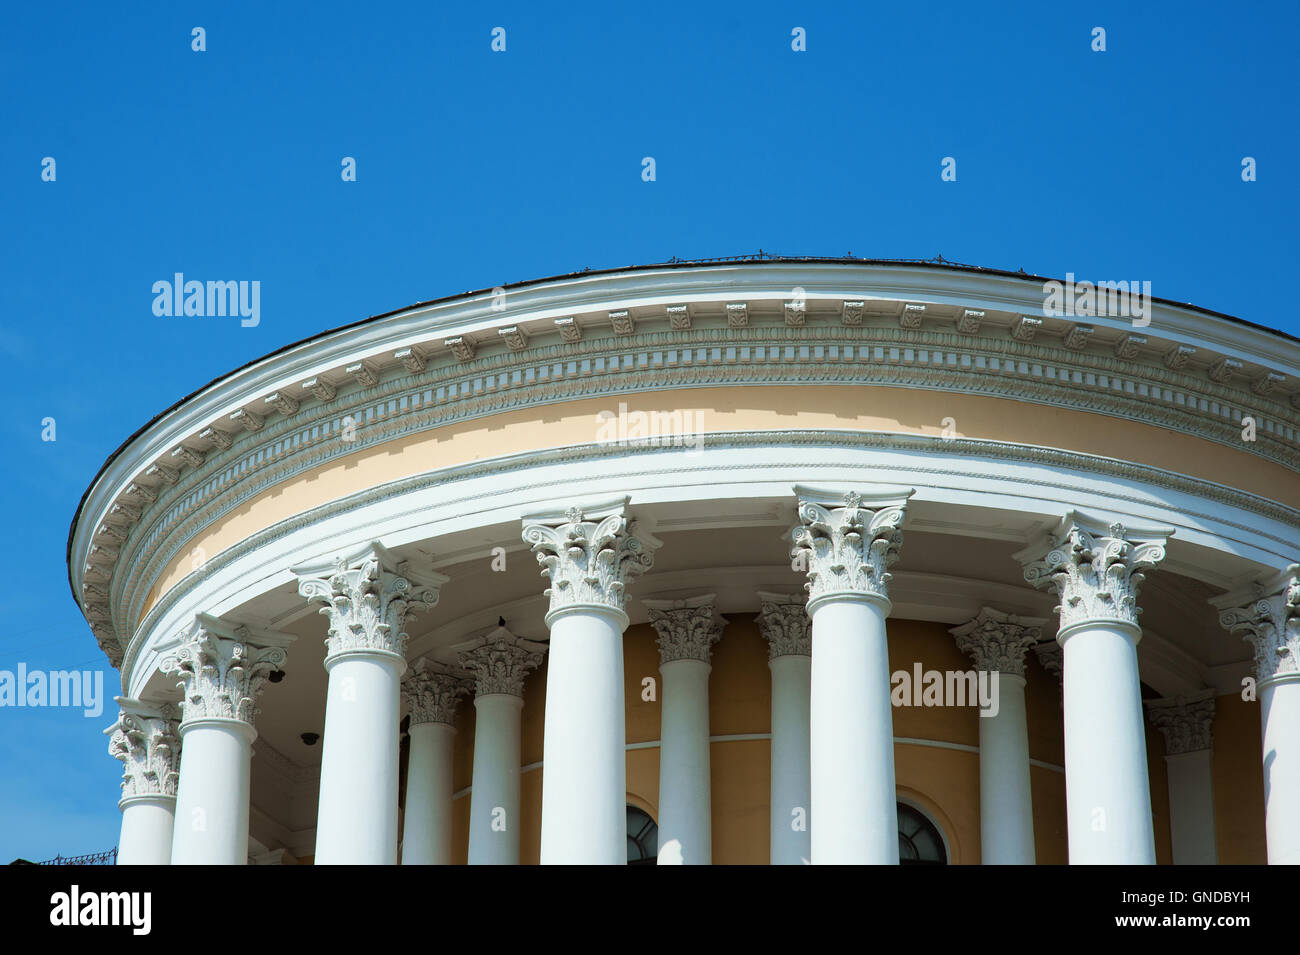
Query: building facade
[735,562]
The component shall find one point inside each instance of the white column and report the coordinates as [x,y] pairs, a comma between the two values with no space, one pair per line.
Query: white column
[499,663]
[588,554]
[1271,622]
[687,631]
[847,541]
[1096,570]
[788,631]
[146,739]
[432,695]
[997,642]
[222,670]
[1188,727]
[367,598]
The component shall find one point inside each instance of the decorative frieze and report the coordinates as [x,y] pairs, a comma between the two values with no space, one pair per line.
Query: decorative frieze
[737,315]
[997,641]
[848,540]
[1025,327]
[411,360]
[1078,337]
[1268,615]
[851,313]
[1130,346]
[687,629]
[679,317]
[1095,569]
[1178,356]
[461,347]
[186,455]
[911,316]
[250,421]
[622,322]
[784,623]
[219,439]
[500,662]
[364,372]
[281,402]
[222,669]
[515,337]
[569,329]
[320,388]
[968,323]
[1223,369]
[367,598]
[432,692]
[1267,385]
[146,740]
[796,313]
[589,554]
[162,472]
[1187,722]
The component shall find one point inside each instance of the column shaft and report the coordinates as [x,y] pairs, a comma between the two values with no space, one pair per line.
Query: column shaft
[854,808]
[147,826]
[212,800]
[356,820]
[684,786]
[791,794]
[494,800]
[1279,704]
[1006,805]
[426,835]
[1108,795]
[1191,808]
[584,791]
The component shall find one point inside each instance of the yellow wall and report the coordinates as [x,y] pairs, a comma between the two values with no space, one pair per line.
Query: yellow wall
[767,408]
[944,783]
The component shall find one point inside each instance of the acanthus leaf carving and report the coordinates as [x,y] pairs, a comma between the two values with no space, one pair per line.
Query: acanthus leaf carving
[1096,570]
[847,548]
[588,560]
[146,740]
[222,670]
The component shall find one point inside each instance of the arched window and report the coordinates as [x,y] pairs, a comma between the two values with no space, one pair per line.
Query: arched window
[642,837]
[919,841]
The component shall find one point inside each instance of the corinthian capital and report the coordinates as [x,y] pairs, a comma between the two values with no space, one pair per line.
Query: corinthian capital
[997,641]
[500,661]
[847,541]
[784,622]
[1095,569]
[1051,658]
[687,629]
[1268,615]
[589,554]
[223,669]
[146,740]
[1187,722]
[367,597]
[432,692]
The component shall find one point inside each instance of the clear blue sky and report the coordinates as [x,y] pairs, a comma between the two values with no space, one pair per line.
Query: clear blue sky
[478,168]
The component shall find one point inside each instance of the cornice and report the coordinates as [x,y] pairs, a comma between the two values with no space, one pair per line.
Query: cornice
[144,574]
[402,406]
[204,445]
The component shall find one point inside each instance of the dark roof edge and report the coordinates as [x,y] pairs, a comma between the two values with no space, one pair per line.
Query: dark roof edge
[761,258]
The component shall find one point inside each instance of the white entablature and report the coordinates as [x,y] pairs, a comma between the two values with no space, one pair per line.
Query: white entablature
[911,326]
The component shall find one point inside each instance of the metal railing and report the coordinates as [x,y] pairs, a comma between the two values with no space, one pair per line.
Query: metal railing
[108,857]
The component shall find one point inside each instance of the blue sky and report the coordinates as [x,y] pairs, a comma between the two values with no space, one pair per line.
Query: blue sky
[477,168]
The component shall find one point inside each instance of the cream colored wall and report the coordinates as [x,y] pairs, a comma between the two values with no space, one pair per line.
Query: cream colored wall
[943,782]
[766,408]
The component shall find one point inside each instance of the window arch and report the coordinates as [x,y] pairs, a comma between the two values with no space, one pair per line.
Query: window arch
[642,837]
[919,839]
